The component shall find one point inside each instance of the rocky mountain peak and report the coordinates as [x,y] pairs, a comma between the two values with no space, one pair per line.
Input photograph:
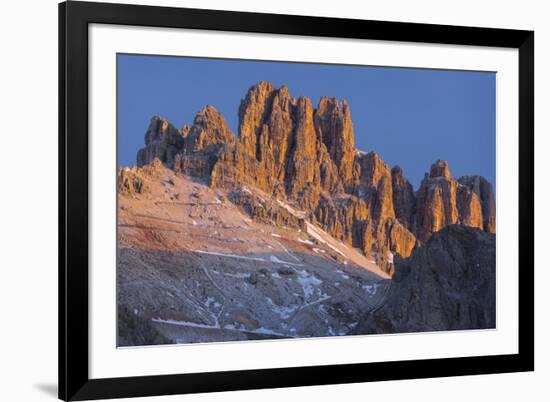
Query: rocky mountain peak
[209,128]
[442,200]
[160,129]
[440,169]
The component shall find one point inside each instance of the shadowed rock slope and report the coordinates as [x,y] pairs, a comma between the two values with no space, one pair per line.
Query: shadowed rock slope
[305,156]
[447,284]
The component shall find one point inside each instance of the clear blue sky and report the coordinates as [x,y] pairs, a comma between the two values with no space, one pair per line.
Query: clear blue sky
[410,117]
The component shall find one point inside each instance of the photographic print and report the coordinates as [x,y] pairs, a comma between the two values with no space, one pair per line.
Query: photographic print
[270,200]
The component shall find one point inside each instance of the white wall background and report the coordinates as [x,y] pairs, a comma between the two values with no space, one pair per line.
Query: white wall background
[28,198]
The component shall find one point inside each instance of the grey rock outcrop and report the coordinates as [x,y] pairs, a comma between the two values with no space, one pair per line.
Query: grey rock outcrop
[446,284]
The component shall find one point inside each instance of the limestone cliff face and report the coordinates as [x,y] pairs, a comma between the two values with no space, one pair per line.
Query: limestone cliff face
[306,157]
[404,201]
[208,133]
[375,186]
[436,201]
[335,130]
[484,191]
[162,141]
[443,201]
[346,217]
[302,166]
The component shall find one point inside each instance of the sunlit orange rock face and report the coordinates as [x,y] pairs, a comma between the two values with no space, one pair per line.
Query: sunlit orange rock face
[305,156]
[442,200]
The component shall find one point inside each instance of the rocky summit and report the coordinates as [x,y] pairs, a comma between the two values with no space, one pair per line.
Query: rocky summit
[305,156]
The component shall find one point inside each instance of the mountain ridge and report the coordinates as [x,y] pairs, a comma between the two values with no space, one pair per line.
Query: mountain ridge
[306,157]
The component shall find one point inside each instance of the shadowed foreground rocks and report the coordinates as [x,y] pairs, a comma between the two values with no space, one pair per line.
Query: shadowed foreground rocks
[447,284]
[133,329]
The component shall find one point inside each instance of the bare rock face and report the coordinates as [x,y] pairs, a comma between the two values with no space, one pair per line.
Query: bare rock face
[235,167]
[133,181]
[403,198]
[436,201]
[209,132]
[346,218]
[446,284]
[469,207]
[375,186]
[335,129]
[484,191]
[253,112]
[265,209]
[205,140]
[162,141]
[442,201]
[303,166]
[399,239]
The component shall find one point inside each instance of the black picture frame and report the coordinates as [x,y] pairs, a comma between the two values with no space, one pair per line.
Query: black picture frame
[74,18]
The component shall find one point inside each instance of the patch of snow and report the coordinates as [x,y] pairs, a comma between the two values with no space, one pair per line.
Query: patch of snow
[317,234]
[283,312]
[267,331]
[306,242]
[299,214]
[195,223]
[235,326]
[238,275]
[273,258]
[336,249]
[184,323]
[288,252]
[276,275]
[275,235]
[371,289]
[309,282]
[242,257]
